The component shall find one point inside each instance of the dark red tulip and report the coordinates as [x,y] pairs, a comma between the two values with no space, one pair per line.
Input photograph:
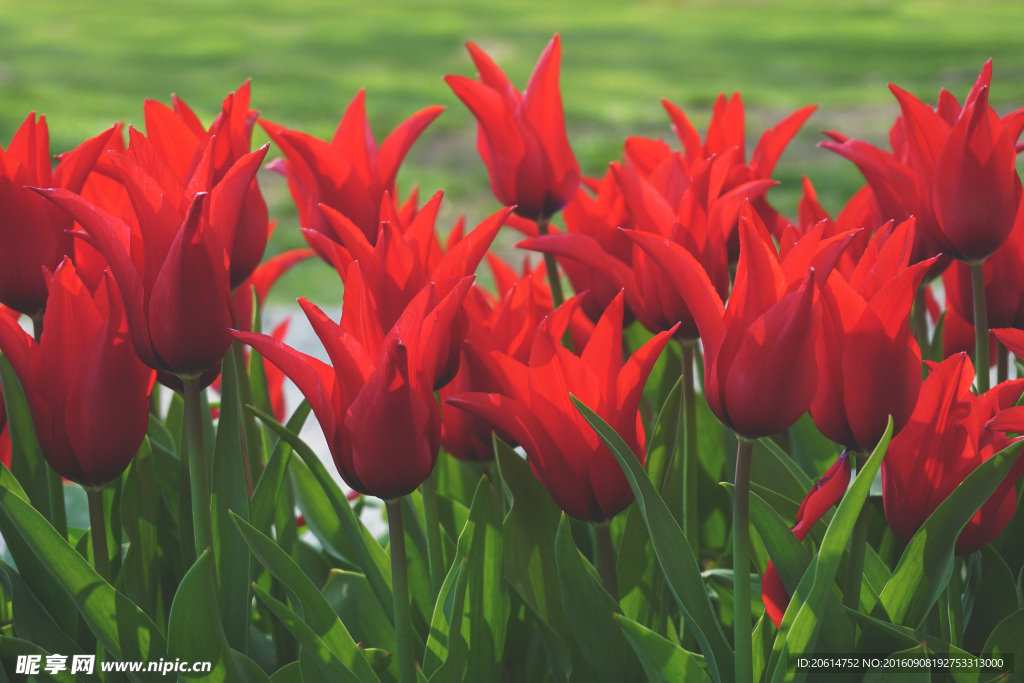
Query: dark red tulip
[171,262]
[826,492]
[85,386]
[869,364]
[376,406]
[33,232]
[521,136]
[759,371]
[534,408]
[350,173]
[950,433]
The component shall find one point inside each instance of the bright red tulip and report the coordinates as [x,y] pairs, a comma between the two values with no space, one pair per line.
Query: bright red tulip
[376,406]
[826,492]
[950,433]
[33,232]
[350,173]
[181,140]
[521,136]
[534,408]
[869,365]
[86,388]
[171,262]
[759,371]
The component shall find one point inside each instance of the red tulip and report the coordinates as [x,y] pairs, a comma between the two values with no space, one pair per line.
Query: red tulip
[33,232]
[869,365]
[376,405]
[171,263]
[181,139]
[950,433]
[759,373]
[534,408]
[86,388]
[260,282]
[349,173]
[521,137]
[826,492]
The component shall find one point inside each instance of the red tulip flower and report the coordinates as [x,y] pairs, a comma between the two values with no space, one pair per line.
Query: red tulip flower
[33,232]
[950,433]
[759,371]
[534,408]
[521,136]
[86,388]
[869,365]
[350,173]
[181,139]
[171,262]
[376,406]
[826,492]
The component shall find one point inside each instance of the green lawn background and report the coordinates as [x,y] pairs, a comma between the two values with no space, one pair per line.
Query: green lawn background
[88,64]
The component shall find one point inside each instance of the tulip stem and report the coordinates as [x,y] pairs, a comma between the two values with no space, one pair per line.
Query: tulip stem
[98,526]
[606,555]
[435,558]
[400,589]
[1002,365]
[253,447]
[858,548]
[981,366]
[551,265]
[198,478]
[741,563]
[955,606]
[688,423]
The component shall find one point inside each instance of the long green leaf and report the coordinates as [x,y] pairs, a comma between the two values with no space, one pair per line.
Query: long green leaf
[317,613]
[927,564]
[12,648]
[445,657]
[674,553]
[267,491]
[663,660]
[140,512]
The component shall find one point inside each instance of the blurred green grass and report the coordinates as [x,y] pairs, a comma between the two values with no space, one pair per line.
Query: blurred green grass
[88,64]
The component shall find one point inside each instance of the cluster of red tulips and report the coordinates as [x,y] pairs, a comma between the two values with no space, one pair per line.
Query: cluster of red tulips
[139,265]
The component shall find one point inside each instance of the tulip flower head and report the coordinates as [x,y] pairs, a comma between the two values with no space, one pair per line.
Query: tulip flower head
[535,409]
[86,388]
[521,136]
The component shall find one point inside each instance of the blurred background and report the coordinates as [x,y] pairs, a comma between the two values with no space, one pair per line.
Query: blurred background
[86,65]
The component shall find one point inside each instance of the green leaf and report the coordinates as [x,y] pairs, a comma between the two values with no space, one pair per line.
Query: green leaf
[352,599]
[27,462]
[119,624]
[927,564]
[140,511]
[316,613]
[994,599]
[445,656]
[789,555]
[1007,640]
[229,493]
[12,648]
[289,673]
[674,553]
[485,616]
[662,659]
[31,621]
[808,606]
[589,609]
[195,631]
[265,495]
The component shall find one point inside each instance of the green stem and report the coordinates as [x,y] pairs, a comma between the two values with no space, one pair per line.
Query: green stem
[154,401]
[956,608]
[858,548]
[741,563]
[551,265]
[400,589]
[198,477]
[606,553]
[688,423]
[1002,364]
[98,526]
[251,430]
[435,558]
[981,367]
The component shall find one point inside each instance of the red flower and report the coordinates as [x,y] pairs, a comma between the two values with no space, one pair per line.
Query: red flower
[85,386]
[171,262]
[260,282]
[521,137]
[826,493]
[349,173]
[181,139]
[759,374]
[33,232]
[534,408]
[869,365]
[950,433]
[376,405]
